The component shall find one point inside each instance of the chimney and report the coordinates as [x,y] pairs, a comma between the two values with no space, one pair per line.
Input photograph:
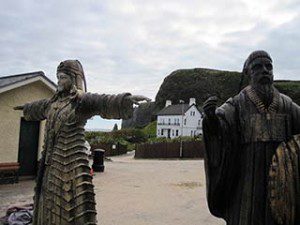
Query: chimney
[192,101]
[168,102]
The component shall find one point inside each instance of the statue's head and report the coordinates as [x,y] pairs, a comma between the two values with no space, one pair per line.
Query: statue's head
[70,76]
[259,68]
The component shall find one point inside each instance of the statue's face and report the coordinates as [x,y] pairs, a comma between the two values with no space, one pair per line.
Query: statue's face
[64,83]
[261,71]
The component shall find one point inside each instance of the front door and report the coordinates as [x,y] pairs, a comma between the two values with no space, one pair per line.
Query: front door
[28,147]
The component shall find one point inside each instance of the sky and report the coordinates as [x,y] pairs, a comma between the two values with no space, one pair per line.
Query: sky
[132,45]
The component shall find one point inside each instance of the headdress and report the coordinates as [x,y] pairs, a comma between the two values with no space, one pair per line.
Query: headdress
[74,69]
[254,55]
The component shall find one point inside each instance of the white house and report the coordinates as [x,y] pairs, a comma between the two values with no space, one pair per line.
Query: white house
[179,120]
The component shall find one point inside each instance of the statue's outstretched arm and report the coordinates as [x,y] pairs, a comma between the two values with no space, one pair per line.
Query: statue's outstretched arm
[108,106]
[34,111]
[19,107]
[220,157]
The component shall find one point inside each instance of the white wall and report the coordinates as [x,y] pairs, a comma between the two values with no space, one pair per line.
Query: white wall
[172,123]
[191,126]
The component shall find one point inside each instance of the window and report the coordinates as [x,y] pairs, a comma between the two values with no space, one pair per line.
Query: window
[176,132]
[169,121]
[158,132]
[184,122]
[199,122]
[162,131]
[172,132]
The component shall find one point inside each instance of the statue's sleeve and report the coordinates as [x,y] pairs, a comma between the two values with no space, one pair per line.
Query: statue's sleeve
[36,111]
[107,106]
[221,143]
[295,118]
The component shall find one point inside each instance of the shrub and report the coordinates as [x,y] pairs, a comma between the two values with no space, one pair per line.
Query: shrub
[124,137]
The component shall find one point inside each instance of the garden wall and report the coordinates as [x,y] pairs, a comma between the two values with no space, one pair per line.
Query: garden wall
[190,149]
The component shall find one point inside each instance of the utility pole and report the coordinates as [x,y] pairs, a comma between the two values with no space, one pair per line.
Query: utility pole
[181,133]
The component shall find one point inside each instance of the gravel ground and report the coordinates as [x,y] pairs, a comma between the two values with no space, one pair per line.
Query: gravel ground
[139,192]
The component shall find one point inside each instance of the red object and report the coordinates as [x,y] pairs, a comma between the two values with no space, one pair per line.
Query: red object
[92,172]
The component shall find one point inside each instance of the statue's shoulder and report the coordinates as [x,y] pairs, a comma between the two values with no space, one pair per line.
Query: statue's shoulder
[227,110]
[232,102]
[80,95]
[285,98]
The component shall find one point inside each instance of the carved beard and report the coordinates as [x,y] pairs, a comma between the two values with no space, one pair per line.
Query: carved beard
[64,89]
[264,91]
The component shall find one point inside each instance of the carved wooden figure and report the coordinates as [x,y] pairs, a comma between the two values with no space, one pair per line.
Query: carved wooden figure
[64,192]
[241,138]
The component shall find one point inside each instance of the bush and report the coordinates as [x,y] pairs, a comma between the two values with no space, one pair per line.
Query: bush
[150,129]
[124,137]
[178,139]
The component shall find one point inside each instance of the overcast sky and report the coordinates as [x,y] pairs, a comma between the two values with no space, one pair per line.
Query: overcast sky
[132,45]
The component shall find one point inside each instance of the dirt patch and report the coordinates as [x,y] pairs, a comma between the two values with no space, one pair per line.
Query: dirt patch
[189,185]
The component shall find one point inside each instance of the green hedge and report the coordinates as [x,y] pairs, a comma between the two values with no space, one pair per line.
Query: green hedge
[124,137]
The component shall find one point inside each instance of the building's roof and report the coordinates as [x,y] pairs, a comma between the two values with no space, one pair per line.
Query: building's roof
[174,110]
[200,109]
[14,81]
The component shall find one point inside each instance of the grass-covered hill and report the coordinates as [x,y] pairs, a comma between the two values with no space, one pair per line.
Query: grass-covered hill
[200,83]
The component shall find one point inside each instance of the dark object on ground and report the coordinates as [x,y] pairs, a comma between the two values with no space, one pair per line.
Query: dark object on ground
[98,163]
[110,149]
[190,149]
[9,173]
[18,215]
[241,138]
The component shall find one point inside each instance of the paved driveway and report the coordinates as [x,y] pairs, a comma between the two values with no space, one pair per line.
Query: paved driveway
[140,192]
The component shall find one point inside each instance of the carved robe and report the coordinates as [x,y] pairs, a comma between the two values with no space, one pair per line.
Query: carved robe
[240,145]
[64,193]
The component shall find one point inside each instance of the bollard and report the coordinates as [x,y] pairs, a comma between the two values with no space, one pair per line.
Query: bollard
[98,163]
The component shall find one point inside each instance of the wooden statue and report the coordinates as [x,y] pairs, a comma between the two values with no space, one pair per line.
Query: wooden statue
[64,192]
[241,138]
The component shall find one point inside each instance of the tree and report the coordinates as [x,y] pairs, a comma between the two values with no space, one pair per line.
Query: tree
[115,127]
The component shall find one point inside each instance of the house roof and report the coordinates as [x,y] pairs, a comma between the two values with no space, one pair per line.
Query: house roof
[174,110]
[14,81]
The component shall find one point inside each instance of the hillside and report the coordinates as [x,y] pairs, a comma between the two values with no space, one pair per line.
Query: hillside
[200,83]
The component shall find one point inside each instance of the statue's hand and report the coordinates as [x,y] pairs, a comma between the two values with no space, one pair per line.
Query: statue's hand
[19,107]
[209,106]
[136,99]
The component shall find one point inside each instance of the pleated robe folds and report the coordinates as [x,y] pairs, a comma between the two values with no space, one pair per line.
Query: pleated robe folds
[64,192]
[240,145]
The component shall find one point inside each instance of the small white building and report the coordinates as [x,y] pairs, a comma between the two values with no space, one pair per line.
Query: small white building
[20,140]
[179,120]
